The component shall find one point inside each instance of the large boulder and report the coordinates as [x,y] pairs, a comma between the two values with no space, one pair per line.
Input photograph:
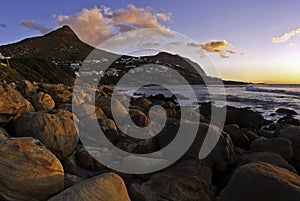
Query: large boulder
[262,181]
[28,170]
[12,103]
[105,187]
[57,132]
[291,133]
[280,146]
[186,181]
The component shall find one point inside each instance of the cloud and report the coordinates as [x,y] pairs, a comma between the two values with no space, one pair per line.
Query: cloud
[95,25]
[3,25]
[35,26]
[221,47]
[90,25]
[139,18]
[286,36]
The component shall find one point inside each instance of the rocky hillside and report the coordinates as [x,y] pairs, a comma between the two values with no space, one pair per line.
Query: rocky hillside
[36,69]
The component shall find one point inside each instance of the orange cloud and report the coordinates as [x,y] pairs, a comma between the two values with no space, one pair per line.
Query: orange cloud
[222,47]
[286,36]
[96,25]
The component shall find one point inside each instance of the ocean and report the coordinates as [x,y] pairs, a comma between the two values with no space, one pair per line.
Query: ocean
[264,98]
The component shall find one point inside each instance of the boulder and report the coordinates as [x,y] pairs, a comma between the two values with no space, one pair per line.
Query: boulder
[262,181]
[286,111]
[12,103]
[42,101]
[220,156]
[59,92]
[292,133]
[249,118]
[288,119]
[251,135]
[237,136]
[57,132]
[280,146]
[26,88]
[28,170]
[105,187]
[187,180]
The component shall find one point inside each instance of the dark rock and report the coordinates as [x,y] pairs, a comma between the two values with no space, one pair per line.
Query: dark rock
[70,164]
[266,157]
[262,181]
[250,134]
[280,146]
[237,136]
[188,180]
[86,160]
[286,111]
[265,133]
[291,133]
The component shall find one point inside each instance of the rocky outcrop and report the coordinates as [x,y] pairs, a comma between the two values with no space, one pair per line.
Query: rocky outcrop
[28,170]
[186,181]
[108,186]
[262,181]
[57,132]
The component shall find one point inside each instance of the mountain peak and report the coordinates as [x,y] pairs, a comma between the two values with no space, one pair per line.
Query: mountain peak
[61,44]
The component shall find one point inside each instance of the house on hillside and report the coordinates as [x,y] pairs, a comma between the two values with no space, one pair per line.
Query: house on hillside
[4,58]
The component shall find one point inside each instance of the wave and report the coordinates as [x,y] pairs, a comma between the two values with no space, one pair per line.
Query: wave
[273,90]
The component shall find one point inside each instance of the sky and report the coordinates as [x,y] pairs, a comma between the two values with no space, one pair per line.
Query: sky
[256,41]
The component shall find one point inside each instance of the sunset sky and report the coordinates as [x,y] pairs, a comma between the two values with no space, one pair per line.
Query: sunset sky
[255,41]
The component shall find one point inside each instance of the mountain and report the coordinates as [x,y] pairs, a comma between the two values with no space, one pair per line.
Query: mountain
[59,45]
[47,59]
